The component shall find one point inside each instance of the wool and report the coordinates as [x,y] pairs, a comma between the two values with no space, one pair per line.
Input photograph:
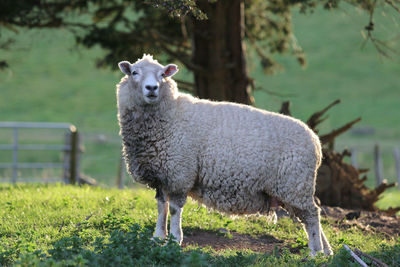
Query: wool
[231,157]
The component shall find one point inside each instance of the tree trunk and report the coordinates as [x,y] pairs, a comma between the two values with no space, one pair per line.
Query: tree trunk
[219,52]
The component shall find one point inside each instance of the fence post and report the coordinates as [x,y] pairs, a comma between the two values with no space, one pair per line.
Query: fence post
[378,165]
[354,161]
[74,150]
[396,153]
[121,173]
[67,157]
[15,155]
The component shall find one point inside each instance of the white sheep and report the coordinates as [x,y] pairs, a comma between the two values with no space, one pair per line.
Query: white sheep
[231,157]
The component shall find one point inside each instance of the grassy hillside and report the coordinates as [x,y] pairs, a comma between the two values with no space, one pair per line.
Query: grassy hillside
[55,225]
[50,80]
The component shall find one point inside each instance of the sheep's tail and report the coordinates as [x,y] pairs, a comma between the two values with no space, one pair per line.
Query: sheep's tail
[318,150]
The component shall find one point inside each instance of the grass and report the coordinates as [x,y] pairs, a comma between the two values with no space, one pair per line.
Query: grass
[50,80]
[56,225]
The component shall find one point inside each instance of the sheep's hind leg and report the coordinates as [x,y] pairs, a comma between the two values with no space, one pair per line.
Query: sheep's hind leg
[327,247]
[312,215]
[162,207]
[311,219]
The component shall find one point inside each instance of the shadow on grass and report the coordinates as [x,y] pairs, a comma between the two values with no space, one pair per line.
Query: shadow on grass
[132,246]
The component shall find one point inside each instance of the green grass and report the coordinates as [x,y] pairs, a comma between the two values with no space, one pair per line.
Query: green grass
[390,199]
[49,225]
[50,80]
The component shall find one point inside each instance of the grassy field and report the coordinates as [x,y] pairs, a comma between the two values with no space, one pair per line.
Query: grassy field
[56,225]
[50,80]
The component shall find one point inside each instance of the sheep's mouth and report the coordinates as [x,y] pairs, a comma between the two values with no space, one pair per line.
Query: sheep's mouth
[152,96]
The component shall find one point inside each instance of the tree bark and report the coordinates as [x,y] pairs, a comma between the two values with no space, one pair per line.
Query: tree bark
[219,52]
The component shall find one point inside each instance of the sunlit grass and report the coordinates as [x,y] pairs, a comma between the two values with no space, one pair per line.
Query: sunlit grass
[36,218]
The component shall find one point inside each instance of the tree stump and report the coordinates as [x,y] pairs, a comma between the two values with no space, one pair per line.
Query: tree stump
[339,183]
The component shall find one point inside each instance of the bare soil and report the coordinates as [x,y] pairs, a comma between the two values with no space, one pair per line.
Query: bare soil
[219,241]
[378,222]
[338,218]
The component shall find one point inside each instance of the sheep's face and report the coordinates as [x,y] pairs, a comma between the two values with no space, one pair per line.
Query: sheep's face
[147,77]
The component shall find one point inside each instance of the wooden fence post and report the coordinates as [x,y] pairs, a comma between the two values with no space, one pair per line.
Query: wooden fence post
[74,157]
[121,173]
[15,155]
[378,165]
[67,156]
[396,153]
[354,161]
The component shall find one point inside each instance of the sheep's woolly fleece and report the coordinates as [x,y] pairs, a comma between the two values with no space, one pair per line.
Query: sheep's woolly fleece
[226,155]
[230,157]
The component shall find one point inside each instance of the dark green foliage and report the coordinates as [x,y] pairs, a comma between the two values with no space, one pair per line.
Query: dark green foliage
[127,29]
[180,8]
[133,247]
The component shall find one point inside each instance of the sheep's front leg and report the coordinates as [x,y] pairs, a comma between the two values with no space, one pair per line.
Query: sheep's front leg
[176,203]
[162,207]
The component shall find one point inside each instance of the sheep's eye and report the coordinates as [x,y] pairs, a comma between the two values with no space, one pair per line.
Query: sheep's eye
[134,72]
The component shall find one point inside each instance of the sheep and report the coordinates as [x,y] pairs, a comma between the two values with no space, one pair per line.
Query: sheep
[234,158]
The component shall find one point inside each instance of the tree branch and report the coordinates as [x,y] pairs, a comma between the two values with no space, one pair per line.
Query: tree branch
[382,187]
[375,261]
[393,5]
[185,82]
[274,93]
[266,62]
[182,58]
[56,23]
[315,119]
[187,86]
[285,108]
[327,138]
[178,55]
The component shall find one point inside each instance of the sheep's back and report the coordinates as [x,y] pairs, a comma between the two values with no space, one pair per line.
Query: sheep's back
[246,151]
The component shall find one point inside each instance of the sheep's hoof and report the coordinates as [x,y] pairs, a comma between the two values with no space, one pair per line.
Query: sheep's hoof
[158,238]
[328,252]
[272,217]
[176,240]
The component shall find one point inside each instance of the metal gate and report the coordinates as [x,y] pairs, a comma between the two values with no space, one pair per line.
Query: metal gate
[71,151]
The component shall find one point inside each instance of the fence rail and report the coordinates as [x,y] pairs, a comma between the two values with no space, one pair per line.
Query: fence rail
[32,165]
[35,147]
[378,163]
[71,150]
[45,125]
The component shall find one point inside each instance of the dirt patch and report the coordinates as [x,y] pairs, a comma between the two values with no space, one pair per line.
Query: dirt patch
[233,240]
[377,222]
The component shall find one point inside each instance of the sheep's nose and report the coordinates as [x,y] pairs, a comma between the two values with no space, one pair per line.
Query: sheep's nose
[151,87]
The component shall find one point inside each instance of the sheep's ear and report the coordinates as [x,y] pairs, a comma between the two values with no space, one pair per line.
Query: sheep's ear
[125,67]
[170,70]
